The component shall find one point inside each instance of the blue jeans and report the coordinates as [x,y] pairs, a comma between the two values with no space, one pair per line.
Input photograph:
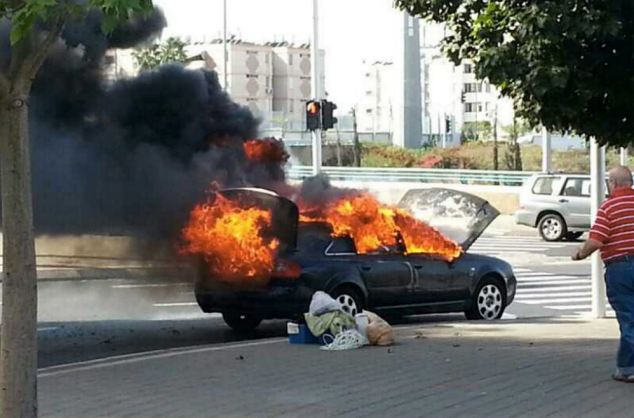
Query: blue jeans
[619,279]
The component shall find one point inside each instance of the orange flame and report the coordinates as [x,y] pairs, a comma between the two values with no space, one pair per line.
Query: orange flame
[265,150]
[372,225]
[232,238]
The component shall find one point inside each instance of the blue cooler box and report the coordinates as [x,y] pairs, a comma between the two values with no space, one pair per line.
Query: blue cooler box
[300,334]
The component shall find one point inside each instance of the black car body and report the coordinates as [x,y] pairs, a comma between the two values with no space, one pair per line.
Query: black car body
[389,282]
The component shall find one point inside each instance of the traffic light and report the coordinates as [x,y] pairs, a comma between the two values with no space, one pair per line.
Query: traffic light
[313,115]
[327,119]
[448,125]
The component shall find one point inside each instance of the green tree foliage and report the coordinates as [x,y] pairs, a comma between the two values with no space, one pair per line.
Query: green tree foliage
[567,64]
[474,131]
[170,51]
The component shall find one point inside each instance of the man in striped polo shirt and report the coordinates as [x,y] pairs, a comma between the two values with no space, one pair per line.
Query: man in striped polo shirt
[613,234]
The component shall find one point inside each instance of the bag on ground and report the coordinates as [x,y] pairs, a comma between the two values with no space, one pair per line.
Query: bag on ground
[322,303]
[378,331]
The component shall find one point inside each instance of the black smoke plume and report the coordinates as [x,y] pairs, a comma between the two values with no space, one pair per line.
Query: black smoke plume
[130,156]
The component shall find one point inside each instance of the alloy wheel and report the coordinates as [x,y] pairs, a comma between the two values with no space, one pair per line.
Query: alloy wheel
[552,228]
[489,302]
[348,304]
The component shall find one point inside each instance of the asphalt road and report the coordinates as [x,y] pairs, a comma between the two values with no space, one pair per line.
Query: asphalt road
[89,319]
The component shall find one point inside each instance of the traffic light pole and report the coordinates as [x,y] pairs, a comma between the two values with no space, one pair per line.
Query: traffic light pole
[316,86]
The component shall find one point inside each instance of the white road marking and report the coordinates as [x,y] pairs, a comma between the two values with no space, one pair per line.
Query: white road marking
[539,295]
[138,357]
[532,283]
[139,286]
[521,291]
[47,328]
[556,300]
[173,304]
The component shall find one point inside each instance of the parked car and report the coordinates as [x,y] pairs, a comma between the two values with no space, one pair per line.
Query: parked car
[389,282]
[558,205]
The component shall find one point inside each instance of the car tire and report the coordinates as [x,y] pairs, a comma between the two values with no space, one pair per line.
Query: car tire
[552,227]
[573,236]
[350,299]
[488,301]
[240,322]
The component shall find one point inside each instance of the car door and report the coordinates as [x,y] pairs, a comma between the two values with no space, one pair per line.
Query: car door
[434,280]
[389,278]
[575,196]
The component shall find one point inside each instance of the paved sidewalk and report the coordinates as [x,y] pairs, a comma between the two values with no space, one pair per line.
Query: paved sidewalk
[548,367]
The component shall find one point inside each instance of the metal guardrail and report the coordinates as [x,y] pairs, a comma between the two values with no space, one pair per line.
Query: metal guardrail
[422,175]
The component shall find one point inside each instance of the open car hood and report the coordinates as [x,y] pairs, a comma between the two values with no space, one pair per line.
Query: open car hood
[284,213]
[460,216]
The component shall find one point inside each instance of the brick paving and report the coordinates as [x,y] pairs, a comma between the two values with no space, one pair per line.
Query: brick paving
[539,368]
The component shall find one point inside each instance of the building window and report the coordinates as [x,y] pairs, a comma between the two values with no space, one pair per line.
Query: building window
[472,107]
[290,59]
[368,93]
[368,111]
[468,68]
[488,88]
[252,76]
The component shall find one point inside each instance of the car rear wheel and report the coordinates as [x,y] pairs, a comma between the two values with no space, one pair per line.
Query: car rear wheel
[488,301]
[241,322]
[552,227]
[349,298]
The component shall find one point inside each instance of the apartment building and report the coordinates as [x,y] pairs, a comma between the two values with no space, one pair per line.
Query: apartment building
[273,79]
[453,92]
[375,112]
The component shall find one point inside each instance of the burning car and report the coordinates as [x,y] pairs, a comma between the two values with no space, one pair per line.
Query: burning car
[261,259]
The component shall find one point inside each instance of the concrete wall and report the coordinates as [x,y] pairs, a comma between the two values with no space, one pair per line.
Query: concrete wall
[504,198]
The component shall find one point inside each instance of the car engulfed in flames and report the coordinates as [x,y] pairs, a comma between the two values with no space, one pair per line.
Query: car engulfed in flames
[261,257]
[235,232]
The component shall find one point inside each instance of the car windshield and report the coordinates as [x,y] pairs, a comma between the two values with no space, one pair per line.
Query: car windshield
[460,216]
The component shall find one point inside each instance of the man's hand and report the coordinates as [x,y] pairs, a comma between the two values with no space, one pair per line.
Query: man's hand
[589,247]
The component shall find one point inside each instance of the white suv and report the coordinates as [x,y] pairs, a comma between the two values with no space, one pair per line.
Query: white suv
[558,205]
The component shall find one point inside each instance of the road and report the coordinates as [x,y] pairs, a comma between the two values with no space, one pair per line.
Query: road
[89,319]
[547,278]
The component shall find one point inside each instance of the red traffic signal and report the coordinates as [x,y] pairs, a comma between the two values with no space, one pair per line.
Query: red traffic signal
[313,115]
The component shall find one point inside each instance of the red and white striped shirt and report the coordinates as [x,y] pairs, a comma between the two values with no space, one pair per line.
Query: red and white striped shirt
[614,226]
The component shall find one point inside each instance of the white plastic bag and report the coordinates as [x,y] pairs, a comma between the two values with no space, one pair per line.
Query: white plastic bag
[322,303]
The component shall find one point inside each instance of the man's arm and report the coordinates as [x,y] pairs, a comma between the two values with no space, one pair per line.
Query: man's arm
[587,249]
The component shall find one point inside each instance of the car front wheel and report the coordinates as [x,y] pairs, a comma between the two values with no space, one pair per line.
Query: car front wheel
[241,322]
[488,301]
[552,227]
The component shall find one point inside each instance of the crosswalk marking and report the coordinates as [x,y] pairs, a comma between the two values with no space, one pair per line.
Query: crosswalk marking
[498,246]
[561,292]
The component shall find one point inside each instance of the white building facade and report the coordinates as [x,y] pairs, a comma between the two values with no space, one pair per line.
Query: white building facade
[273,80]
[375,111]
[454,93]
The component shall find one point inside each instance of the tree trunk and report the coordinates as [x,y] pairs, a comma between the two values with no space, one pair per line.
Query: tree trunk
[18,357]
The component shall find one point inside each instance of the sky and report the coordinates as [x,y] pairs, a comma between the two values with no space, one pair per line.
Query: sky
[351,31]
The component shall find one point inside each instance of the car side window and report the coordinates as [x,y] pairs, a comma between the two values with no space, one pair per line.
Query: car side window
[546,185]
[341,246]
[577,187]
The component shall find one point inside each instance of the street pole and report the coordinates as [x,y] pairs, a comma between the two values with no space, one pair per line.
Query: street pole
[546,151]
[225,53]
[444,136]
[316,85]
[624,156]
[597,193]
